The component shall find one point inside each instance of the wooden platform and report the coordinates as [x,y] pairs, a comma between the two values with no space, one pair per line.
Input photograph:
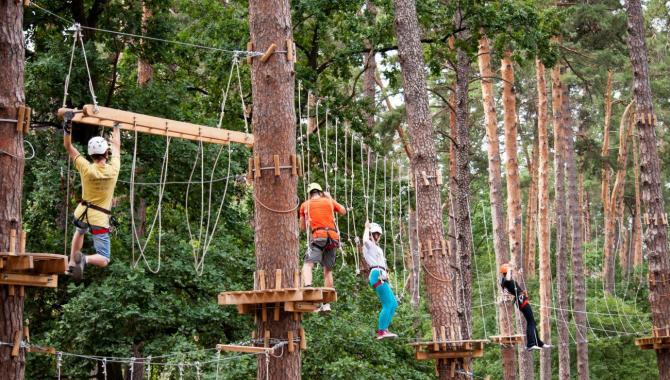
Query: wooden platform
[454,349]
[506,340]
[29,269]
[302,300]
[653,343]
[109,117]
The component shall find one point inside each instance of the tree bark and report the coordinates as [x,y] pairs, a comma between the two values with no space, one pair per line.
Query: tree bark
[461,206]
[500,242]
[637,217]
[273,121]
[12,52]
[439,279]
[615,203]
[370,70]
[530,237]
[576,218]
[561,115]
[656,238]
[514,215]
[145,71]
[415,260]
[585,207]
[606,170]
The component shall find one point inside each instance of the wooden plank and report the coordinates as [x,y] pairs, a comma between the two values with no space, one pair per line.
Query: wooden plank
[278,279]
[131,121]
[436,346]
[296,279]
[19,263]
[268,53]
[301,307]
[294,165]
[22,242]
[47,281]
[266,339]
[12,241]
[303,340]
[51,266]
[257,167]
[17,343]
[264,313]
[42,350]
[423,355]
[27,117]
[276,311]
[278,295]
[275,159]
[289,50]
[250,170]
[250,49]
[291,344]
[261,279]
[19,119]
[237,348]
[443,337]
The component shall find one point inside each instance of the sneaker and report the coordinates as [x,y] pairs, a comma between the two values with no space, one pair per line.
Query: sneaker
[547,346]
[325,308]
[77,271]
[533,348]
[384,334]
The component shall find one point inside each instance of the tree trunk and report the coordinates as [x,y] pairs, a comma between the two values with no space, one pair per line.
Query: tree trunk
[273,120]
[12,51]
[578,282]
[561,113]
[415,260]
[441,289]
[514,215]
[656,238]
[138,366]
[615,203]
[500,242]
[530,238]
[461,206]
[401,133]
[606,170]
[585,207]
[145,71]
[637,217]
[370,70]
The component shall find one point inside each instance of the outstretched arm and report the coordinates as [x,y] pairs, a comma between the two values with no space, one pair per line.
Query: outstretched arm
[366,232]
[116,141]
[67,139]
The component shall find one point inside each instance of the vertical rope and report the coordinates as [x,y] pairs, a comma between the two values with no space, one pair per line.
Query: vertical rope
[88,71]
[69,71]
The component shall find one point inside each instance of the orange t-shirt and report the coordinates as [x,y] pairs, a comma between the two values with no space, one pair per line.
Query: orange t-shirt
[319,213]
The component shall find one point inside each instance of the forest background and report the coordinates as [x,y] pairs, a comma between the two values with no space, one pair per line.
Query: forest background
[127,310]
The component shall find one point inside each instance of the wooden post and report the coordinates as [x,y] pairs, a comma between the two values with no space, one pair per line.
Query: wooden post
[291,344]
[303,341]
[17,344]
[268,53]
[22,245]
[250,49]
[12,241]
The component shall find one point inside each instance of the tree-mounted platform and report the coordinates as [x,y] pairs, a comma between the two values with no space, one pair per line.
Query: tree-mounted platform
[293,300]
[507,340]
[263,301]
[29,269]
[131,121]
[653,343]
[455,354]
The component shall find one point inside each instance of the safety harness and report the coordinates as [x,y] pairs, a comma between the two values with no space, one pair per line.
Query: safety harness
[330,243]
[381,279]
[84,215]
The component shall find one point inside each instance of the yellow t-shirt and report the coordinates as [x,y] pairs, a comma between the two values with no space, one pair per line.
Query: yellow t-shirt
[98,182]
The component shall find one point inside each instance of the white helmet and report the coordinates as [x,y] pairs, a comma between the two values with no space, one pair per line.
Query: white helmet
[97,145]
[375,228]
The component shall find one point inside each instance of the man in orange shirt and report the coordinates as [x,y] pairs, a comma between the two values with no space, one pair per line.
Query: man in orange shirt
[318,213]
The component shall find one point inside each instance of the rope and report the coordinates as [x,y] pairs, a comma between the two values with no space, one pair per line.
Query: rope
[145,37]
[24,156]
[78,34]
[157,216]
[293,209]
[69,71]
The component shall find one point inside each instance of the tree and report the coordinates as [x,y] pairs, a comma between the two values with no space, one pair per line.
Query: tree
[506,311]
[442,293]
[544,226]
[12,52]
[145,70]
[273,123]
[656,238]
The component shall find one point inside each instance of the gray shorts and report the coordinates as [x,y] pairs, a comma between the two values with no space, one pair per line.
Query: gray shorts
[317,254]
[101,241]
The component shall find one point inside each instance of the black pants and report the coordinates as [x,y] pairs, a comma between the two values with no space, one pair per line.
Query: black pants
[532,337]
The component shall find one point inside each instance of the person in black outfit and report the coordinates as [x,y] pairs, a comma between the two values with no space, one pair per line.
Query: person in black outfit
[533,341]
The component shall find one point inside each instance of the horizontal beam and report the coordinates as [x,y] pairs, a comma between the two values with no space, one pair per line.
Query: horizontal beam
[278,295]
[422,355]
[247,349]
[50,281]
[130,121]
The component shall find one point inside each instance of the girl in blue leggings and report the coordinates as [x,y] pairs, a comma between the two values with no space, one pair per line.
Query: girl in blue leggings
[374,256]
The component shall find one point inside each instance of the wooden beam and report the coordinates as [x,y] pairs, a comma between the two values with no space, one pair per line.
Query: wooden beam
[291,345]
[50,281]
[130,121]
[19,263]
[42,350]
[17,343]
[237,348]
[51,266]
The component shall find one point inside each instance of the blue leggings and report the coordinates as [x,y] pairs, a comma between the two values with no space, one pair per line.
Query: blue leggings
[387,298]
